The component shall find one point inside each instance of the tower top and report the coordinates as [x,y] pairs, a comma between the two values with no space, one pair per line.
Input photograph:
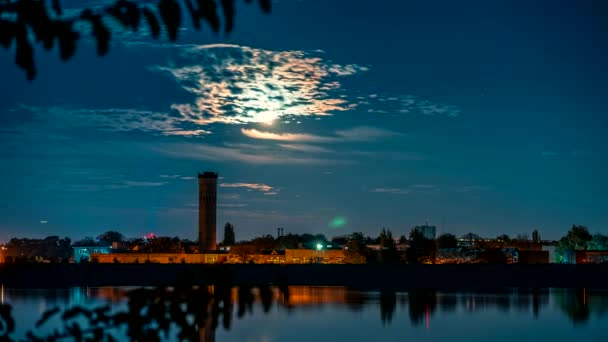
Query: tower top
[207,174]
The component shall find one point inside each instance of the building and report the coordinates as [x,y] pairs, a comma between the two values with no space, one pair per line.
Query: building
[207,206]
[83,253]
[427,231]
[535,236]
[591,257]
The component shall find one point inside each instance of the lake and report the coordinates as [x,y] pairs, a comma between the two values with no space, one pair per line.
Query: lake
[305,313]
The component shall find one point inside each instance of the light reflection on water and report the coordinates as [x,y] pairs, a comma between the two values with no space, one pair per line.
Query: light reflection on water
[303,313]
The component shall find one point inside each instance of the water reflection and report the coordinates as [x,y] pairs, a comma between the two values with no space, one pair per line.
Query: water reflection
[420,306]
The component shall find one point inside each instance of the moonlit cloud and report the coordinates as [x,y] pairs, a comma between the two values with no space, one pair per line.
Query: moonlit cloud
[405,104]
[306,148]
[239,154]
[237,84]
[255,134]
[252,186]
[362,133]
[365,133]
[116,120]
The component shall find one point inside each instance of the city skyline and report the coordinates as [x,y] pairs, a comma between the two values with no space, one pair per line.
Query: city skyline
[484,118]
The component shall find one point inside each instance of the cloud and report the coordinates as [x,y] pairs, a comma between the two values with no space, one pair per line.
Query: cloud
[365,133]
[115,120]
[355,134]
[423,186]
[239,154]
[176,176]
[170,176]
[96,184]
[306,148]
[128,183]
[414,188]
[255,134]
[232,205]
[411,104]
[253,186]
[397,191]
[237,84]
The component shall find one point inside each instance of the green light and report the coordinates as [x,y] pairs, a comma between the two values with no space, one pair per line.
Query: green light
[319,246]
[337,222]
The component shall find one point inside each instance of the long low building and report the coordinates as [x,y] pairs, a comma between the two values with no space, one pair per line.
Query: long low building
[288,256]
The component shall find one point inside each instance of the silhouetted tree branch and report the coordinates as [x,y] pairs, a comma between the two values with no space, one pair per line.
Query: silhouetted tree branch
[25,23]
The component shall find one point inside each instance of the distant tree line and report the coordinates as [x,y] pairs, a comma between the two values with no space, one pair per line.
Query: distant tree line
[358,248]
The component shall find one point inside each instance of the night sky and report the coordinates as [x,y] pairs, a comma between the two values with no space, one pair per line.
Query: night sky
[324,116]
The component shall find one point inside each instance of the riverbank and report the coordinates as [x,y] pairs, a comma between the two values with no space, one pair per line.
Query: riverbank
[369,277]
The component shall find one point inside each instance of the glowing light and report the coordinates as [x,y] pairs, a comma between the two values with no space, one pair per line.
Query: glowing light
[337,222]
[319,246]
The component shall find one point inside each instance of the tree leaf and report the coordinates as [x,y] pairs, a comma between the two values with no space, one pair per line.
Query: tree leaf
[5,315]
[57,7]
[194,14]
[171,14]
[7,33]
[208,10]
[228,9]
[152,22]
[265,5]
[46,315]
[24,56]
[67,39]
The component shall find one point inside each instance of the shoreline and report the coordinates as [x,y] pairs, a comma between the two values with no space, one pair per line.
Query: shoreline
[367,277]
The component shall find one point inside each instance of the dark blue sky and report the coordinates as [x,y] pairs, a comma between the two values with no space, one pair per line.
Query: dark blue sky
[482,116]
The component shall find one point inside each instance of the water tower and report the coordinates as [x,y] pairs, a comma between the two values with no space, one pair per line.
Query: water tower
[207,207]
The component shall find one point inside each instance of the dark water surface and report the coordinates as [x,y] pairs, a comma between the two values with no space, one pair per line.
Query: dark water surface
[338,314]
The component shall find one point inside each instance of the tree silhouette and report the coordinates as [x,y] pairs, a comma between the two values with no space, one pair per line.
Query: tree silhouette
[447,240]
[109,237]
[421,250]
[229,234]
[30,22]
[577,239]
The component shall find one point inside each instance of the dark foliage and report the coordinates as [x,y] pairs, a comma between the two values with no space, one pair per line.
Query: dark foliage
[24,23]
[447,240]
[229,238]
[422,250]
[51,248]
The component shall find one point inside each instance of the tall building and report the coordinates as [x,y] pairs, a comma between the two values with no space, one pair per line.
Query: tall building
[427,231]
[207,201]
[535,236]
